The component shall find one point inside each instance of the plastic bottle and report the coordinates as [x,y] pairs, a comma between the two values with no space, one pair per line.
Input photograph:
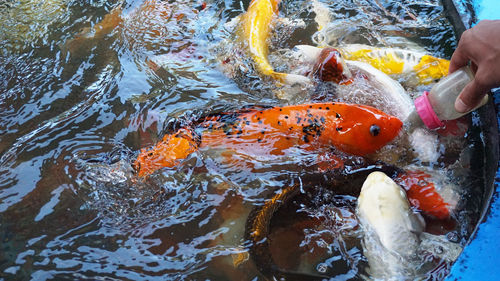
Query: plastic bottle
[439,105]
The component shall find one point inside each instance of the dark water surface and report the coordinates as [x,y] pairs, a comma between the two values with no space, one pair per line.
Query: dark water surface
[75,112]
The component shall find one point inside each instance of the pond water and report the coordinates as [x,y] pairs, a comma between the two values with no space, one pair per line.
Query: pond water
[77,105]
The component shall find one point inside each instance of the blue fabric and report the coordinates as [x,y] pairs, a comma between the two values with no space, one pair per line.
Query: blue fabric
[487,9]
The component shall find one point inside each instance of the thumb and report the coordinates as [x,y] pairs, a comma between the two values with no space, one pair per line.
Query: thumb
[470,96]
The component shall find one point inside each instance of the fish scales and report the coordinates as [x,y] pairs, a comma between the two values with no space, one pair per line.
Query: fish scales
[353,129]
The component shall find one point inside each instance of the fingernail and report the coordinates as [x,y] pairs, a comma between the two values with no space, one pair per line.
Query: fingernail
[460,106]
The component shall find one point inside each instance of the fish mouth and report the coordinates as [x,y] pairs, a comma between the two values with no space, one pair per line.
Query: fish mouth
[331,67]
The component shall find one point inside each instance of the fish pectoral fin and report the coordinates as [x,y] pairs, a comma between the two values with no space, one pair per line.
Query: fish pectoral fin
[239,161]
[294,79]
[292,85]
[308,52]
[416,223]
[240,258]
[166,153]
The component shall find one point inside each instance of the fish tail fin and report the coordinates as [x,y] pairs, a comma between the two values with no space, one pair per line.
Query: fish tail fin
[309,53]
[291,79]
[294,85]
[166,153]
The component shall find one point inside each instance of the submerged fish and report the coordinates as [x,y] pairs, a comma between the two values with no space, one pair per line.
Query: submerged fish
[383,208]
[353,129]
[150,26]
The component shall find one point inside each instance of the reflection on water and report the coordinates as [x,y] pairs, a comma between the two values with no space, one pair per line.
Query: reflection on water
[77,103]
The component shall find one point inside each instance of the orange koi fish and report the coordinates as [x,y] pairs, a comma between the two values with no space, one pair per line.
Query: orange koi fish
[423,195]
[146,26]
[354,129]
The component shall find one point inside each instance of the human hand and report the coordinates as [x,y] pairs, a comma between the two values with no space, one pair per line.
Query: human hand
[481,46]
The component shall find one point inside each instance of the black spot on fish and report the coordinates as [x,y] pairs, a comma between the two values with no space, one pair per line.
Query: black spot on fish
[327,108]
[313,130]
[337,115]
[279,122]
[259,140]
[286,116]
[338,129]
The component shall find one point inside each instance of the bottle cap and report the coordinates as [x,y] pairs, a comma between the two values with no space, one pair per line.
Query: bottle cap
[426,112]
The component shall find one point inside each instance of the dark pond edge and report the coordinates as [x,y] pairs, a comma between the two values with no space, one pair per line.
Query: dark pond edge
[481,250]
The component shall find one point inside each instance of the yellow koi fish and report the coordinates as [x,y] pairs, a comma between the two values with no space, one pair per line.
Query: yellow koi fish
[423,67]
[256,24]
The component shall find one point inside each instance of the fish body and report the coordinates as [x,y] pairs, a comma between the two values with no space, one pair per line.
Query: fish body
[423,194]
[256,25]
[420,67]
[391,228]
[353,129]
[150,26]
[417,67]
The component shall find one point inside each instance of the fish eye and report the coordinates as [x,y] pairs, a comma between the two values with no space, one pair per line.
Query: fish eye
[374,130]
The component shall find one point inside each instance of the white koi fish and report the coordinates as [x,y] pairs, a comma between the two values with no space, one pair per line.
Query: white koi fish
[394,239]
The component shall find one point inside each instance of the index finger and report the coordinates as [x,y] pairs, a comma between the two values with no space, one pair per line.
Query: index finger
[460,57]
